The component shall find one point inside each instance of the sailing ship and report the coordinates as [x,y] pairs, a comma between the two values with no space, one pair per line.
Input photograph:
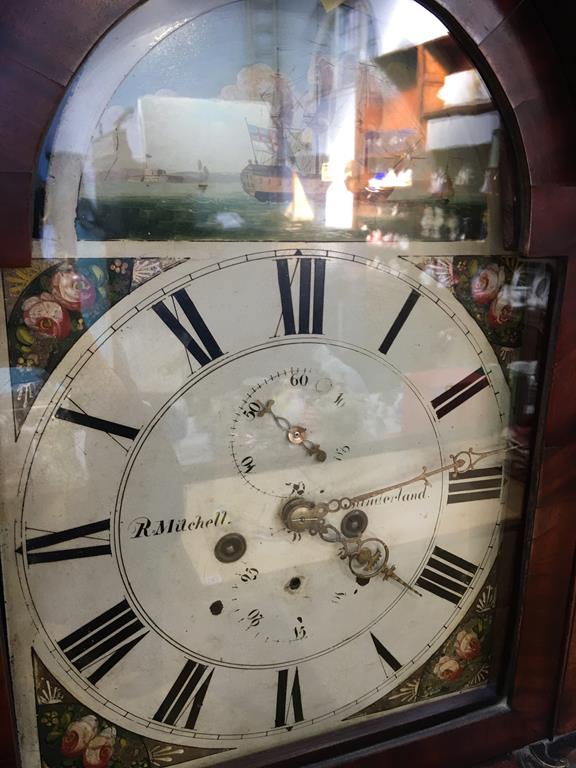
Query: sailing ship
[270,176]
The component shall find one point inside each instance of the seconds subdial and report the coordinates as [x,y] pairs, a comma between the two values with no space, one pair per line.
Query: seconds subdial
[293,419]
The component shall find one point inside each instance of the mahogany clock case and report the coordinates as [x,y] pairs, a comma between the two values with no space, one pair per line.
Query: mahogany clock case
[511,49]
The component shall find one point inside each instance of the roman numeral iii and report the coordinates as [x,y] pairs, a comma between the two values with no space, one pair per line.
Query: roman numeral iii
[210,350]
[447,575]
[312,274]
[475,485]
[288,705]
[187,694]
[459,393]
[45,549]
[106,639]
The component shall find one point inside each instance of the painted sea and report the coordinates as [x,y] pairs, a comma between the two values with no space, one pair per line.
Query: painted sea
[163,210]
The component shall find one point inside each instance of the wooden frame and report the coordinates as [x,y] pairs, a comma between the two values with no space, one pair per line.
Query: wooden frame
[44,42]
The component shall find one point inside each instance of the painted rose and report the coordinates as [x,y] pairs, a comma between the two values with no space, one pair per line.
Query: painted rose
[486,283]
[99,751]
[72,290]
[467,645]
[46,316]
[500,311]
[78,735]
[447,668]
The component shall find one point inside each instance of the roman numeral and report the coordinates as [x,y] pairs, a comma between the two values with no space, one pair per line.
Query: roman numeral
[475,485]
[398,323]
[385,654]
[312,274]
[284,702]
[107,639]
[465,389]
[41,549]
[84,420]
[189,690]
[211,350]
[447,575]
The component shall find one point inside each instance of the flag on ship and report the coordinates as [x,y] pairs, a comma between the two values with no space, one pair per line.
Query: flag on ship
[262,135]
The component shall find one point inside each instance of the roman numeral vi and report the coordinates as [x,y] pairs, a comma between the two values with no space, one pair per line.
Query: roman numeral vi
[285,701]
[189,690]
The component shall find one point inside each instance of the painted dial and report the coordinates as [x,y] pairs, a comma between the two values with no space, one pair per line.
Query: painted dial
[197,408]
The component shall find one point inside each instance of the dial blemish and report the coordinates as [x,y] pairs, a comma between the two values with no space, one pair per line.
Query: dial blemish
[216,608]
[294,584]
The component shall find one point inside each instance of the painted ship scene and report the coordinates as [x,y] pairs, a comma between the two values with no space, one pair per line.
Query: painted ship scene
[295,140]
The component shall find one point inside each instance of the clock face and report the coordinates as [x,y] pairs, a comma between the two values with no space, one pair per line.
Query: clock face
[264,491]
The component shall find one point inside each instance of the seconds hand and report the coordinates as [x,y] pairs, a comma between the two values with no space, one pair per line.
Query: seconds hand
[295,434]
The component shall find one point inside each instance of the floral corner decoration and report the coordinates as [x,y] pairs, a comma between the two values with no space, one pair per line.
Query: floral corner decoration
[50,305]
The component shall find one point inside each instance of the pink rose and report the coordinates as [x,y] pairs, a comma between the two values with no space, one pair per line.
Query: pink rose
[99,751]
[486,283]
[500,311]
[72,290]
[467,645]
[78,735]
[447,668]
[45,315]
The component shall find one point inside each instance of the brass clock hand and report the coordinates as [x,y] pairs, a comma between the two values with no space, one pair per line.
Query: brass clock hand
[461,462]
[367,558]
[295,434]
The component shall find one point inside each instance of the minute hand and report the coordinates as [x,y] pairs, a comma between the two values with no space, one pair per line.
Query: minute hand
[461,462]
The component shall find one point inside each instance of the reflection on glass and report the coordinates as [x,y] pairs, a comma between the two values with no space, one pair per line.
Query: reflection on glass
[291,121]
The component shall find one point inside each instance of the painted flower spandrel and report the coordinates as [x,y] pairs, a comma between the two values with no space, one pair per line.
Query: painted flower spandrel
[467,645]
[447,668]
[78,735]
[99,751]
[73,290]
[501,309]
[46,316]
[486,283]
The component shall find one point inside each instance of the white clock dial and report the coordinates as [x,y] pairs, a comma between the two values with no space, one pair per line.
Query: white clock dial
[179,431]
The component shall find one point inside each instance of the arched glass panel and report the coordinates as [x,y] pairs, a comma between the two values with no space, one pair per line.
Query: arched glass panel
[281,121]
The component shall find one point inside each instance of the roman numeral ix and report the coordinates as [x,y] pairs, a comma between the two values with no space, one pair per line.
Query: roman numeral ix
[44,549]
[211,350]
[285,702]
[447,575]
[107,639]
[475,485]
[465,389]
[312,273]
[189,690]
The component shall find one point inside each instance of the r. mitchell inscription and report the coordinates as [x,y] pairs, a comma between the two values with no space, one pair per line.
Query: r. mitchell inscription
[143,526]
